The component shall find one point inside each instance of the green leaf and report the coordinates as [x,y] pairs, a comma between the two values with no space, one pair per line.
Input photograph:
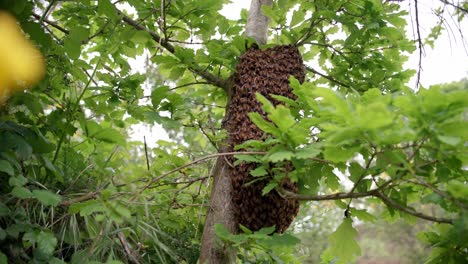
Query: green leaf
[282,118]
[282,240]
[264,125]
[297,17]
[6,167]
[46,242]
[3,258]
[47,198]
[4,210]
[342,244]
[107,8]
[363,215]
[338,154]
[109,135]
[141,37]
[3,235]
[310,151]
[19,180]
[279,155]
[21,192]
[260,171]
[222,232]
[452,141]
[270,186]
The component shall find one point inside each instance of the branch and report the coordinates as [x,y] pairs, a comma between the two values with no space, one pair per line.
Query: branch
[52,23]
[464,10]
[133,257]
[212,156]
[327,77]
[83,198]
[418,77]
[374,193]
[325,197]
[211,78]
[389,202]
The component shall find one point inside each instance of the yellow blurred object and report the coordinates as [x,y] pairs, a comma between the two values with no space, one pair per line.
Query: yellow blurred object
[21,63]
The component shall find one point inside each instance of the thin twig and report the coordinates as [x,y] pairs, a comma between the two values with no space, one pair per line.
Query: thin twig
[52,23]
[146,154]
[133,257]
[193,163]
[327,77]
[389,202]
[420,46]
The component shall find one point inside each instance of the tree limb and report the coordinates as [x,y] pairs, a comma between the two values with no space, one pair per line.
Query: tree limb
[208,76]
[372,193]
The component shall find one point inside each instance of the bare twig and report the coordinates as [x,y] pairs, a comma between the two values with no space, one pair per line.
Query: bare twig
[146,154]
[212,156]
[389,202]
[459,7]
[420,46]
[133,257]
[326,77]
[373,193]
[52,23]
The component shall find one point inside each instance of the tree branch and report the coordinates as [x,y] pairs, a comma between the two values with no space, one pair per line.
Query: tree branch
[389,202]
[326,77]
[208,76]
[212,156]
[420,46]
[372,193]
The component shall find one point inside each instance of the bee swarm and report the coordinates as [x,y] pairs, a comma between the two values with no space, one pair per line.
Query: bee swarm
[265,72]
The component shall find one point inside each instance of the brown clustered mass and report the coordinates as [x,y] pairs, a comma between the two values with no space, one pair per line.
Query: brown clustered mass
[265,72]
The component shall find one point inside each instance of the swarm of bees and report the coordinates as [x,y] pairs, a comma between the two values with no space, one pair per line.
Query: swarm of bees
[266,72]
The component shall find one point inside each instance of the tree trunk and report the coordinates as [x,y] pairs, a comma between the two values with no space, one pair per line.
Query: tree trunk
[221,209]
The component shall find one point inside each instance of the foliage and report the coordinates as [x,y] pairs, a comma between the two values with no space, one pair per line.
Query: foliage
[262,246]
[75,187]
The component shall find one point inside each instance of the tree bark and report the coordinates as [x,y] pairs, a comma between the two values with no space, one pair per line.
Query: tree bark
[257,22]
[221,209]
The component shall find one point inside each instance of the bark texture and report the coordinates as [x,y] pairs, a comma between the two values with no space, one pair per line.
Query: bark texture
[221,211]
[257,22]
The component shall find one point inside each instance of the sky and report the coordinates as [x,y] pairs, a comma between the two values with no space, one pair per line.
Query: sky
[447,62]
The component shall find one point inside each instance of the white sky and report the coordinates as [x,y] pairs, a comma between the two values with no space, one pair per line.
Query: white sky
[447,62]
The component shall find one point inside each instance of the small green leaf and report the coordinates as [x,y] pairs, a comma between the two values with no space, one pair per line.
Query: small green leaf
[141,37]
[297,17]
[19,180]
[110,135]
[3,258]
[363,215]
[342,243]
[270,186]
[46,242]
[264,125]
[4,210]
[282,118]
[107,8]
[310,151]
[282,240]
[222,232]
[3,235]
[47,198]
[6,167]
[452,141]
[21,192]
[338,154]
[280,155]
[260,171]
